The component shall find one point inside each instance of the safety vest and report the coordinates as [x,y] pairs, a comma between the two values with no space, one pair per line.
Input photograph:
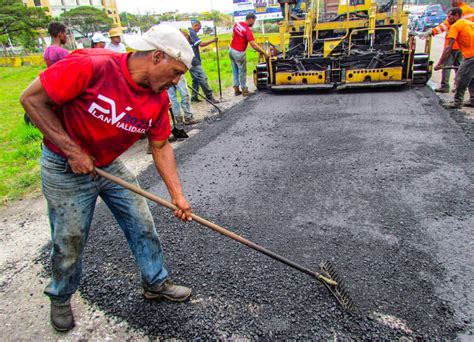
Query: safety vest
[467,13]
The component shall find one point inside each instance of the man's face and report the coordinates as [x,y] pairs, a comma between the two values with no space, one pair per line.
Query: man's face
[456,3]
[250,22]
[63,38]
[164,71]
[452,18]
[196,27]
[100,45]
[115,40]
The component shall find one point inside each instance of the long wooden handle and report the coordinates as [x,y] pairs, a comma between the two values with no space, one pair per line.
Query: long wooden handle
[214,226]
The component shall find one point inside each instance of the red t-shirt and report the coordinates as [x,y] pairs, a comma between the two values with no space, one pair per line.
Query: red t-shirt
[241,36]
[101,107]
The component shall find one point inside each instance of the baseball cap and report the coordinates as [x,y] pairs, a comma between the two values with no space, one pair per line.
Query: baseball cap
[99,38]
[165,38]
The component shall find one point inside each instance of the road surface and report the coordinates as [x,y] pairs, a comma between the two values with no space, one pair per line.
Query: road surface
[379,182]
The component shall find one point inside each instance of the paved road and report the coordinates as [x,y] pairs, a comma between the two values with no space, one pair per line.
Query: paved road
[380,183]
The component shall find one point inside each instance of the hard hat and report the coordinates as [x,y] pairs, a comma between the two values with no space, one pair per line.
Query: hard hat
[115,32]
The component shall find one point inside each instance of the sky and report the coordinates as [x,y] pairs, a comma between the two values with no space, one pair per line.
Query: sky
[183,6]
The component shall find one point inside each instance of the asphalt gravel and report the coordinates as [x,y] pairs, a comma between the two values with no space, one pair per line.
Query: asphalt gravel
[380,183]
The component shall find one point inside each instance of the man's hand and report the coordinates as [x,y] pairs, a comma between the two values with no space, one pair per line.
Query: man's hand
[81,163]
[438,66]
[185,211]
[424,35]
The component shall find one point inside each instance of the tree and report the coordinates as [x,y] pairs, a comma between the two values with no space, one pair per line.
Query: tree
[144,22]
[20,23]
[87,20]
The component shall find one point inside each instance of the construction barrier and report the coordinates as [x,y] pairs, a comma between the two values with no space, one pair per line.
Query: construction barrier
[21,61]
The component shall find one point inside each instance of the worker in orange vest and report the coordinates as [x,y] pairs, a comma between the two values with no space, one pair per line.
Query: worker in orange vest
[461,32]
[455,58]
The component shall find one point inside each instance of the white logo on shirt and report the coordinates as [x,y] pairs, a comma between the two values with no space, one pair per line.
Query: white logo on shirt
[129,123]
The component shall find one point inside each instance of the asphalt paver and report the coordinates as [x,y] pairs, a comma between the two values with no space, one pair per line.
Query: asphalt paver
[378,182]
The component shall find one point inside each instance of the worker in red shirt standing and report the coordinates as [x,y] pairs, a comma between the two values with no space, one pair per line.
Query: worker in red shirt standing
[91,107]
[55,52]
[242,36]
[455,58]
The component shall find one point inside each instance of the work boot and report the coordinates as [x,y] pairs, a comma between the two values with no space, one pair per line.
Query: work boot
[452,105]
[468,104]
[61,317]
[195,99]
[167,290]
[245,92]
[212,99]
[237,91]
[442,90]
[190,121]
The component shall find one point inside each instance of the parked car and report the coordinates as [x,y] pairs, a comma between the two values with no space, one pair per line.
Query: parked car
[431,17]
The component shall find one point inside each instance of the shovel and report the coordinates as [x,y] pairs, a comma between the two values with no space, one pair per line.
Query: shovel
[178,133]
[327,274]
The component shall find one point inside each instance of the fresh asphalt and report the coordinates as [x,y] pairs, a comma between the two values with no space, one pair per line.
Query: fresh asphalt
[379,182]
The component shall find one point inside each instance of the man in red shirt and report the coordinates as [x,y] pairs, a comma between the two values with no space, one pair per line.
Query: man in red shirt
[91,107]
[242,36]
[55,52]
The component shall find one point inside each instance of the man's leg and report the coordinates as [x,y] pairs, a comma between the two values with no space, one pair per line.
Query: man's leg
[446,74]
[174,102]
[235,68]
[242,64]
[463,79]
[182,88]
[71,201]
[195,84]
[134,217]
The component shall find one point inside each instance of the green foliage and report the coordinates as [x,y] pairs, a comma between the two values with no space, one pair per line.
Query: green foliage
[21,23]
[144,22]
[87,20]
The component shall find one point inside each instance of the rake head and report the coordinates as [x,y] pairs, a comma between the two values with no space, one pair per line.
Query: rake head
[335,285]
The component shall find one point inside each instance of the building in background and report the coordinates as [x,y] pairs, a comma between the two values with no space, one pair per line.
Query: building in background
[57,7]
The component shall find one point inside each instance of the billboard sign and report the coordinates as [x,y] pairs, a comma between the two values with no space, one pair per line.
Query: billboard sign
[263,9]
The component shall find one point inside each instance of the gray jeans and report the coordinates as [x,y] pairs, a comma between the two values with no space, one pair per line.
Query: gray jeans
[200,80]
[465,80]
[454,59]
[238,60]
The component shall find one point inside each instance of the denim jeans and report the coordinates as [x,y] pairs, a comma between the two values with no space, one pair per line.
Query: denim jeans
[200,80]
[465,80]
[238,61]
[454,59]
[182,89]
[71,202]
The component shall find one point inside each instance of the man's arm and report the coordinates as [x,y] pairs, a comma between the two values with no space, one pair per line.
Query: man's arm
[166,165]
[257,48]
[445,55]
[38,105]
[208,42]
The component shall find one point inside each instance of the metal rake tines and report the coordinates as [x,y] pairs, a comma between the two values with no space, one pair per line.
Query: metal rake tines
[339,291]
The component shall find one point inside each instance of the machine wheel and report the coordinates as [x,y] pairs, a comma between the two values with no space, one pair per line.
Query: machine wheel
[261,76]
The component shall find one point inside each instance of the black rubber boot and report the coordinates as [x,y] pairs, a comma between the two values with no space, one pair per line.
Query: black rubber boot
[62,318]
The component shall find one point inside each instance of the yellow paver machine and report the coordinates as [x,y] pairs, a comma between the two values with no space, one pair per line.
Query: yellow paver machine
[361,44]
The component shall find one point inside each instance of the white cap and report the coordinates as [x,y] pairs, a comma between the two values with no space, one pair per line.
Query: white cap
[165,38]
[99,38]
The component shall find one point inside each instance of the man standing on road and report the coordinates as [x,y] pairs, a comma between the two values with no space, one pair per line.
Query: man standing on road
[115,43]
[88,121]
[198,75]
[462,32]
[55,52]
[242,36]
[455,57]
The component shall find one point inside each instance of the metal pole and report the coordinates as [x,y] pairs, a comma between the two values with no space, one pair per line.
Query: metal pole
[217,57]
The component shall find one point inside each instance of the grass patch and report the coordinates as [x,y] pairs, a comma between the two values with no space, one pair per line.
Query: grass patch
[19,143]
[209,65]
